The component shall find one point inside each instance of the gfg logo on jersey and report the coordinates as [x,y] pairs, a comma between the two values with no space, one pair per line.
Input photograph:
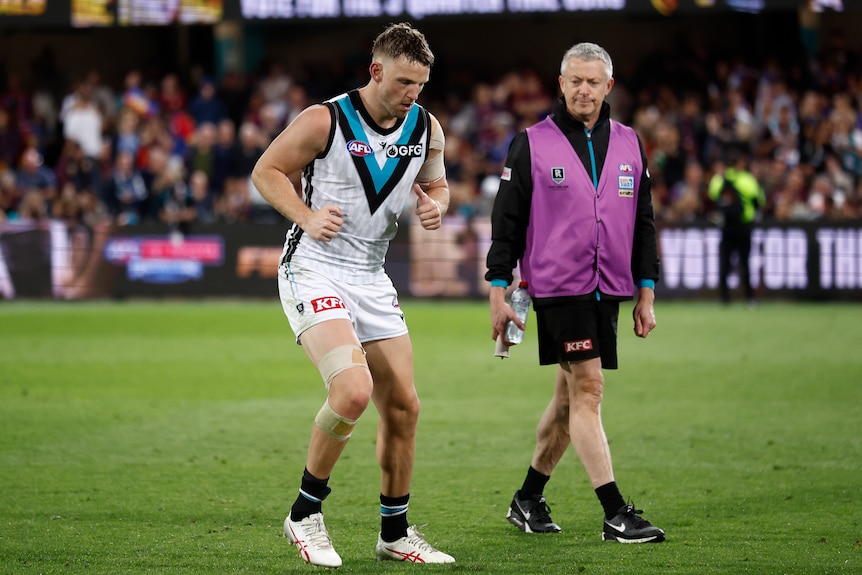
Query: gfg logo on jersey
[358,148]
[326,303]
[405,151]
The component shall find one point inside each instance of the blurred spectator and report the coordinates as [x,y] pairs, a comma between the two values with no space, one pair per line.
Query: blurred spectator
[33,206]
[780,137]
[235,204]
[692,127]
[75,168]
[125,192]
[157,162]
[273,88]
[823,199]
[173,202]
[297,101]
[10,196]
[68,206]
[687,195]
[812,118]
[235,95]
[669,158]
[171,96]
[102,96]
[840,179]
[154,133]
[495,148]
[846,134]
[11,142]
[16,100]
[200,155]
[223,153]
[203,198]
[135,98]
[34,175]
[174,109]
[529,101]
[250,146]
[730,126]
[127,137]
[270,122]
[82,122]
[789,200]
[206,106]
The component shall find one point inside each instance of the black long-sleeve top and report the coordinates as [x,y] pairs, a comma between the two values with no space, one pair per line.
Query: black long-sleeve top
[511,213]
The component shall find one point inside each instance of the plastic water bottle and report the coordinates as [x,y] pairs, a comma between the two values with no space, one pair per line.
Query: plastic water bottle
[521,305]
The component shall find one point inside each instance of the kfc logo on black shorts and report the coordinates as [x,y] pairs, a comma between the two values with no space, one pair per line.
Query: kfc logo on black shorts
[580,345]
[326,303]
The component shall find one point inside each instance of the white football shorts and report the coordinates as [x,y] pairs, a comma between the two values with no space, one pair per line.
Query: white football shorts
[309,298]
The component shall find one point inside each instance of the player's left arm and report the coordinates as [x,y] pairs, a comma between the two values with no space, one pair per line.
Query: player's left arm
[431,187]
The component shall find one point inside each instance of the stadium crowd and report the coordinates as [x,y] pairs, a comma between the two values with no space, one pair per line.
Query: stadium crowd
[180,150]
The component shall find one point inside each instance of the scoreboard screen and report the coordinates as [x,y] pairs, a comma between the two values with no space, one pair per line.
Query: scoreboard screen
[89,13]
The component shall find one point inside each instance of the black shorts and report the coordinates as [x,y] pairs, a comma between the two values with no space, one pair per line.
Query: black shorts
[578,330]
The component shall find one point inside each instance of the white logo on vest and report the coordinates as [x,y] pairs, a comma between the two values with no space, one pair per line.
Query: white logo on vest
[558,175]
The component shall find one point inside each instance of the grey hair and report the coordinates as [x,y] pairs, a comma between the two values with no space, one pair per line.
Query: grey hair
[589,52]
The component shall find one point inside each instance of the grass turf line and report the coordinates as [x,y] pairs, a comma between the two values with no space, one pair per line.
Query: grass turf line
[169,438]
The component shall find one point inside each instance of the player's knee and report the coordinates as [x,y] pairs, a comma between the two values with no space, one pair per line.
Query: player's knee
[590,392]
[340,359]
[333,423]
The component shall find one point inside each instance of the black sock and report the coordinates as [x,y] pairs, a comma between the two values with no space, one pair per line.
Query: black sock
[393,517]
[610,498]
[534,484]
[312,492]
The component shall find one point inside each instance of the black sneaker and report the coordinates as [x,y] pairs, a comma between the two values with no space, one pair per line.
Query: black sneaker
[531,515]
[629,527]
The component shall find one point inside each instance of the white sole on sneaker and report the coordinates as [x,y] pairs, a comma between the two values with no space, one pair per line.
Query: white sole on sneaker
[310,538]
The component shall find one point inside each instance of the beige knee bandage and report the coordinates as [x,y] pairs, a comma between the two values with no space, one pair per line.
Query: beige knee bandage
[339,359]
[335,425]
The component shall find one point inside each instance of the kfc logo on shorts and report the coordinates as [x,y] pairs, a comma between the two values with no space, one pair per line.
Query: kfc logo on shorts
[580,345]
[326,303]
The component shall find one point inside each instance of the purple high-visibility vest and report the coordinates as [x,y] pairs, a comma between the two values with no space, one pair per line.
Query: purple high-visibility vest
[580,237]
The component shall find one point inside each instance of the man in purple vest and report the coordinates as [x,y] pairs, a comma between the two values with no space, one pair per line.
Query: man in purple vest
[574,211]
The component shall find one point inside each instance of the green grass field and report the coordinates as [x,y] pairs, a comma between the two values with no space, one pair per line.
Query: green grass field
[169,438]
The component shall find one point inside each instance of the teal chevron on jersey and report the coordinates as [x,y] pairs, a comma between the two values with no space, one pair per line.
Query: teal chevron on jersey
[379,176]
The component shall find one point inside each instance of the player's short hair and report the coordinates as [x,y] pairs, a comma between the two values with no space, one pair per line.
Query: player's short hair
[588,52]
[402,39]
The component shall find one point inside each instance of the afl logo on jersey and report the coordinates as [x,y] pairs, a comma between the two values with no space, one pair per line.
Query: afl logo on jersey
[405,151]
[357,148]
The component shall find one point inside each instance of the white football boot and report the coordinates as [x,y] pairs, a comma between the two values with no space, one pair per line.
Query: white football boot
[312,540]
[412,548]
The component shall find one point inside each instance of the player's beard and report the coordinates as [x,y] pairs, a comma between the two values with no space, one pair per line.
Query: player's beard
[394,104]
[397,110]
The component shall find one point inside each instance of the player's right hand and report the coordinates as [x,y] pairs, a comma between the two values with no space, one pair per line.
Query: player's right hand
[323,225]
